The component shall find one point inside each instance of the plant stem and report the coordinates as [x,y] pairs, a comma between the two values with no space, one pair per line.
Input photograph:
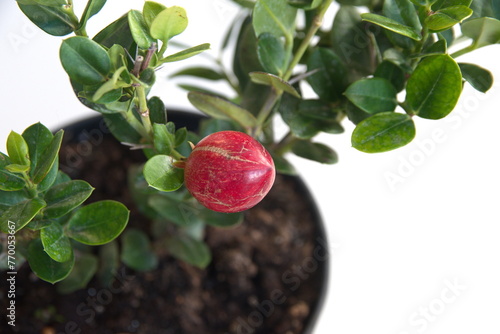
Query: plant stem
[285,144]
[144,110]
[463,51]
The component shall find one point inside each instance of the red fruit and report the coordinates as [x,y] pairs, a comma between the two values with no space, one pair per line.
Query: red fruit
[229,171]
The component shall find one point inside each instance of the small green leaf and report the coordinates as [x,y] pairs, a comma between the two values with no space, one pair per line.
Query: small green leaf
[17,148]
[271,53]
[194,252]
[372,95]
[18,169]
[329,80]
[64,197]
[121,128]
[48,158]
[483,31]
[169,23]
[392,25]
[51,19]
[305,4]
[150,11]
[109,260]
[447,17]
[220,108]
[137,252]
[116,33]
[274,17]
[55,243]
[83,270]
[38,137]
[162,175]
[164,141]
[139,29]
[180,136]
[175,211]
[157,110]
[200,72]
[184,54]
[98,223]
[315,151]
[44,266]
[383,132]
[272,80]
[391,72]
[218,219]
[21,214]
[10,182]
[479,78]
[84,60]
[93,7]
[439,4]
[434,87]
[404,13]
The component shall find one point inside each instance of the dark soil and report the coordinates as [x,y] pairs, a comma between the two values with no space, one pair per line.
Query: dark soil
[266,275]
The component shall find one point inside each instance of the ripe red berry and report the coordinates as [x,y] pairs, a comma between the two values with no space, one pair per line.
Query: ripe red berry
[229,171]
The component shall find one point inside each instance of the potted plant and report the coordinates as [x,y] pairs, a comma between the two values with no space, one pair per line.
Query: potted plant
[355,70]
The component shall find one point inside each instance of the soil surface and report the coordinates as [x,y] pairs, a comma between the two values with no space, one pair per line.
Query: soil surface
[265,277]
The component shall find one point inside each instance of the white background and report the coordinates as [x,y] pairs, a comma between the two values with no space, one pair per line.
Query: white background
[395,249]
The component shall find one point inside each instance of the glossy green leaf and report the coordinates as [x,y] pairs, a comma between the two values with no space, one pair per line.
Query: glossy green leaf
[180,136]
[38,138]
[157,110]
[194,252]
[116,33]
[51,19]
[164,141]
[391,72]
[440,47]
[98,223]
[220,108]
[272,80]
[219,219]
[84,268]
[121,129]
[184,54]
[10,182]
[372,95]
[44,266]
[48,158]
[162,175]
[93,7]
[136,251]
[315,151]
[64,197]
[50,178]
[84,60]
[383,132]
[169,23]
[139,29]
[150,11]
[392,25]
[439,4]
[18,169]
[305,4]
[200,72]
[329,80]
[483,31]
[55,243]
[274,17]
[245,58]
[447,17]
[479,78]
[434,87]
[175,211]
[17,148]
[271,53]
[21,214]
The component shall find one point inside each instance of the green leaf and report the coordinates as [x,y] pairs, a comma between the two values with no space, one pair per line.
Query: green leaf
[220,108]
[404,13]
[83,270]
[55,243]
[10,182]
[272,80]
[15,168]
[314,151]
[184,54]
[392,25]
[180,136]
[483,31]
[274,17]
[479,78]
[137,252]
[434,87]
[157,110]
[44,266]
[439,4]
[200,72]
[116,33]
[164,141]
[17,148]
[139,29]
[150,11]
[98,223]
[391,72]
[329,80]
[245,58]
[21,214]
[219,219]
[271,53]
[169,23]
[283,166]
[38,138]
[175,210]
[194,252]
[383,132]
[84,60]
[93,7]
[372,95]
[64,197]
[121,129]
[305,4]
[53,20]
[48,158]
[447,17]
[162,175]
[109,260]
